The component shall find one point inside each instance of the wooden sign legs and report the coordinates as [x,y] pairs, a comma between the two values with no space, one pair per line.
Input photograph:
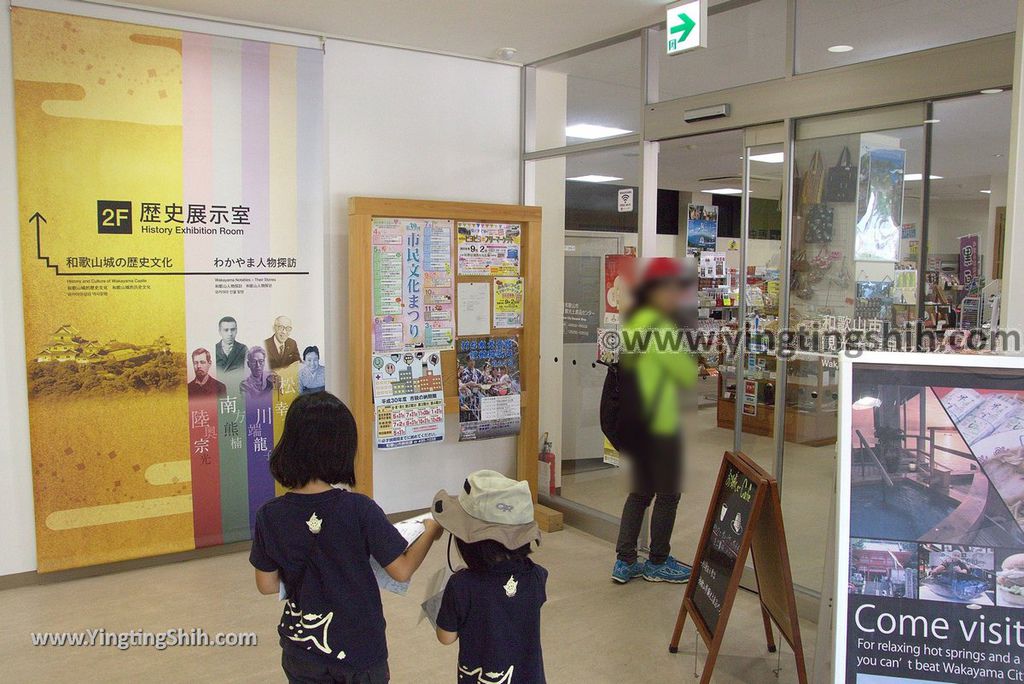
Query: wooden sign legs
[744,516]
[709,663]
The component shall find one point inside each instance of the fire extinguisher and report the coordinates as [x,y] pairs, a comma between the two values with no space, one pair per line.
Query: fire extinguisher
[546,479]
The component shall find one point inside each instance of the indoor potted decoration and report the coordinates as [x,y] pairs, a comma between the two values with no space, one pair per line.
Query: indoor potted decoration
[889,440]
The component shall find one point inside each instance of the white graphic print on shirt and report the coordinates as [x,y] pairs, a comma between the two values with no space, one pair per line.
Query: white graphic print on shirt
[488,678]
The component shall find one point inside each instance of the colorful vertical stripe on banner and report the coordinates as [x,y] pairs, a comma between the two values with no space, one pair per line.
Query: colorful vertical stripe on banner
[260,435]
[203,436]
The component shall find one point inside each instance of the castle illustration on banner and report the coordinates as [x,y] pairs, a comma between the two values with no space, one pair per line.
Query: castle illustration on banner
[68,346]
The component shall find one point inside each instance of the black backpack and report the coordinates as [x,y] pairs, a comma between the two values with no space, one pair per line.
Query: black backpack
[623,420]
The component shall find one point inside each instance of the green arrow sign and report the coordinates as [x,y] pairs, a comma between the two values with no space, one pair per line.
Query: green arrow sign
[684,26]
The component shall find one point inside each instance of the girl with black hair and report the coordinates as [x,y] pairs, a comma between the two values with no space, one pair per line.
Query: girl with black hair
[317,540]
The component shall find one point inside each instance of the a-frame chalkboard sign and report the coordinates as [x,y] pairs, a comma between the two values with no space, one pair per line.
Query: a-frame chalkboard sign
[745,514]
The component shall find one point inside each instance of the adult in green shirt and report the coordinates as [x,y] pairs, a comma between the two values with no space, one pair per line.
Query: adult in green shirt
[660,367]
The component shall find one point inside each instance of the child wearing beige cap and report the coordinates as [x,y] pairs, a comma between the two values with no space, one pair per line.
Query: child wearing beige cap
[493,606]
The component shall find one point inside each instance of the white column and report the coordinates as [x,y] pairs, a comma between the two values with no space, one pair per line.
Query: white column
[648,229]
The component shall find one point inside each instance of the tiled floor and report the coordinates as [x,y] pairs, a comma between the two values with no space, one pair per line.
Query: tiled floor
[594,631]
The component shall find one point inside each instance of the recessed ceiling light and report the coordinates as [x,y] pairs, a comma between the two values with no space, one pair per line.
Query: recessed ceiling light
[932,121]
[724,191]
[840,48]
[769,158]
[991,91]
[594,178]
[916,177]
[986,192]
[506,53]
[593,131]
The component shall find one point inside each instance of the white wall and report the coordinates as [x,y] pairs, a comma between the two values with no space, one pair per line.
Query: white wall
[400,124]
[17,529]
[409,124]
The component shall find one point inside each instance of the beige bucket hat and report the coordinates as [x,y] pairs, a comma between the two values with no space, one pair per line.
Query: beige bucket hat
[491,506]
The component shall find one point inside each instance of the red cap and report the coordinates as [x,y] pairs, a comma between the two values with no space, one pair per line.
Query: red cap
[663,268]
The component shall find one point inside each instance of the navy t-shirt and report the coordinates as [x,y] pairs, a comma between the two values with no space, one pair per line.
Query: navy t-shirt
[497,616]
[353,528]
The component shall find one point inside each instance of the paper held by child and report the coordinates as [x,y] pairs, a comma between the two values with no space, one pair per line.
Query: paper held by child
[435,592]
[410,530]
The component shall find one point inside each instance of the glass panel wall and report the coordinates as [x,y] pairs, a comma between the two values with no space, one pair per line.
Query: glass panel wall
[700,181]
[966,209]
[831,33]
[582,192]
[848,215]
[760,299]
[593,96]
[746,44]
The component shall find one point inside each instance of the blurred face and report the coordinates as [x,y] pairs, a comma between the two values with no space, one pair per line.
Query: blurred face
[282,329]
[228,330]
[669,297]
[312,360]
[256,362]
[201,365]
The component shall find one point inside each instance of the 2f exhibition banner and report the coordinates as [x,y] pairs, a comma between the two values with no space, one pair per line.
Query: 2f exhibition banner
[173,277]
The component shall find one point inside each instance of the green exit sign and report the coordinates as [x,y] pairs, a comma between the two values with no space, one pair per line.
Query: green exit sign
[686,26]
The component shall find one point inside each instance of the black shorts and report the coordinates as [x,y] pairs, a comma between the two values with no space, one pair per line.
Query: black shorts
[301,670]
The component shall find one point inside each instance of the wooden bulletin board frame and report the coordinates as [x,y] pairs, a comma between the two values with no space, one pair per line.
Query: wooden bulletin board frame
[362,211]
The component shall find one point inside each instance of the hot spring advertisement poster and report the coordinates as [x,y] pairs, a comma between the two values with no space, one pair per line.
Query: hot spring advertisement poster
[173,277]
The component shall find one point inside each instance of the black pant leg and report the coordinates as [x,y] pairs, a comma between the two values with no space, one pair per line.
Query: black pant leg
[629,527]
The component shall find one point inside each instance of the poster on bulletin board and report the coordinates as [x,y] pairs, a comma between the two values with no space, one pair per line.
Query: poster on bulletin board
[171,204]
[489,387]
[508,302]
[489,249]
[408,399]
[413,284]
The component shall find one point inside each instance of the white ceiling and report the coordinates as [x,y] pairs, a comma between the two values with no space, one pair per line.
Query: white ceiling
[476,28]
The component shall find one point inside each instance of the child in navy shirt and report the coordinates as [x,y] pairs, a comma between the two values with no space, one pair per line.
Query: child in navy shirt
[493,606]
[317,541]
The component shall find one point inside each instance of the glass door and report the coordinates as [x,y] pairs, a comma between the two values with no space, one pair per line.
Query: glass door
[590,476]
[857,188]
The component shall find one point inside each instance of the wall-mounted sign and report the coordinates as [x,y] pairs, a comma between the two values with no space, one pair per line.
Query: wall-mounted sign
[686,26]
[625,200]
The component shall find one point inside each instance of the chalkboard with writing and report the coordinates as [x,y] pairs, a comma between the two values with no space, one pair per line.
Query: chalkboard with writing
[744,516]
[711,578]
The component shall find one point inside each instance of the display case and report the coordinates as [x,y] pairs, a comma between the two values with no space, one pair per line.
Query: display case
[811,398]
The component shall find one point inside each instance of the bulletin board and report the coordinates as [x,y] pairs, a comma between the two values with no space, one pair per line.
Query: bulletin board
[362,213]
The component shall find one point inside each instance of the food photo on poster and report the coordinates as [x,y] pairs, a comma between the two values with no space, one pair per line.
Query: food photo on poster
[931,563]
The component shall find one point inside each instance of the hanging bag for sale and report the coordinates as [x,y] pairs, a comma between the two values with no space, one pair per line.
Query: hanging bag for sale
[818,223]
[841,181]
[811,182]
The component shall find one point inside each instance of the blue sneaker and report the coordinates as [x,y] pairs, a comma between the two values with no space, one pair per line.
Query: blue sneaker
[623,571]
[670,571]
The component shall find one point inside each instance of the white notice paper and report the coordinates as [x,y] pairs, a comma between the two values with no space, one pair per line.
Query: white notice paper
[474,309]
